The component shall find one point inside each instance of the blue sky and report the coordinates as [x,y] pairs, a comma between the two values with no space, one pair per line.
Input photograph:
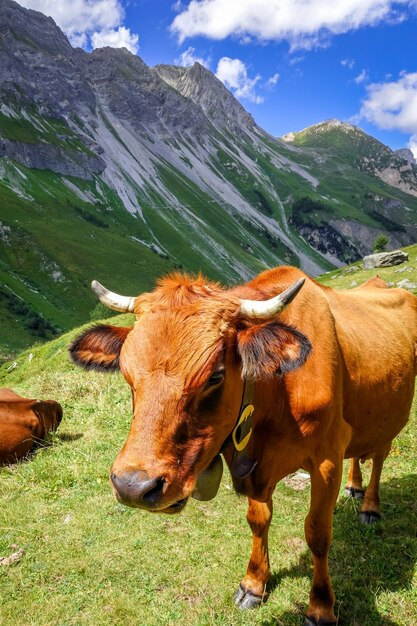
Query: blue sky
[291,63]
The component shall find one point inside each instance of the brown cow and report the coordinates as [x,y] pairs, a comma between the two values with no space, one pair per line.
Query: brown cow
[24,423]
[274,384]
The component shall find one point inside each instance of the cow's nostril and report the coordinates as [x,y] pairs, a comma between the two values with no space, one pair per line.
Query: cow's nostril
[155,492]
[136,488]
[114,479]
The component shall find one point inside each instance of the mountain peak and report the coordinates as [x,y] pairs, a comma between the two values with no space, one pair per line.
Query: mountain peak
[335,133]
[200,85]
[363,151]
[32,28]
[335,123]
[324,127]
[407,155]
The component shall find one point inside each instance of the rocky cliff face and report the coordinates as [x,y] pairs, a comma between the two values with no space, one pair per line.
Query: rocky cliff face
[407,155]
[132,91]
[43,156]
[199,85]
[38,65]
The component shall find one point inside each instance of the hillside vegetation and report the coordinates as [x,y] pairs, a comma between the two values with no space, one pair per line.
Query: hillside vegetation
[114,170]
[88,560]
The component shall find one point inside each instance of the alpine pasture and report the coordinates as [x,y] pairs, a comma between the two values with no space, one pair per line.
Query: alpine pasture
[89,560]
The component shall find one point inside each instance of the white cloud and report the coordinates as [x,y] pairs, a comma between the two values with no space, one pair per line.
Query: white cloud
[116,38]
[272,81]
[304,23]
[296,60]
[349,63]
[412,144]
[189,57]
[246,40]
[392,105]
[234,74]
[362,77]
[88,22]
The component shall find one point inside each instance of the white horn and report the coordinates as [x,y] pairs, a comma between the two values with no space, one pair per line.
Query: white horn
[269,308]
[114,301]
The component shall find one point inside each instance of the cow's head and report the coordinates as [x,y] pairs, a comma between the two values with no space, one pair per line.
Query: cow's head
[185,359]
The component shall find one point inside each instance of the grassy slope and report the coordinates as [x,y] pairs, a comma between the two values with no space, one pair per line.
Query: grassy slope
[333,158]
[56,229]
[344,162]
[88,560]
[53,228]
[83,241]
[53,233]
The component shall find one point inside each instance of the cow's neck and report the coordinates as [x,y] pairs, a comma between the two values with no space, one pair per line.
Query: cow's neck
[275,428]
[242,462]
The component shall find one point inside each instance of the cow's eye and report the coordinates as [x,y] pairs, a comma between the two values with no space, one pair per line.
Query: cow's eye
[215,379]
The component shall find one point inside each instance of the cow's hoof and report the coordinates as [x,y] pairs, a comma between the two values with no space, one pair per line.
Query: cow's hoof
[246,599]
[369,517]
[353,492]
[311,621]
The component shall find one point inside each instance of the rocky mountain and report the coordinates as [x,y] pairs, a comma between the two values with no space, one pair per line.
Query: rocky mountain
[407,155]
[203,88]
[396,168]
[114,170]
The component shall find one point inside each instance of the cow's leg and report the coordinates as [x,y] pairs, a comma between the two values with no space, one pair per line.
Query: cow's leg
[326,477]
[370,511]
[251,592]
[354,482]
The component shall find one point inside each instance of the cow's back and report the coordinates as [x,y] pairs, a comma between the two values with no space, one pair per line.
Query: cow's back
[377,332]
[363,359]
[8,395]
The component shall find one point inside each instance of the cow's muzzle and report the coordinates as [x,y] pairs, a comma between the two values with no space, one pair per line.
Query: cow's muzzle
[137,489]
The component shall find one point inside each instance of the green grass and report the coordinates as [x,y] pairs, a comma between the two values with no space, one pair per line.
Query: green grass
[231,231]
[88,560]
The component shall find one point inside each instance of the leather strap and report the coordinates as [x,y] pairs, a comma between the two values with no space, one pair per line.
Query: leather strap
[242,464]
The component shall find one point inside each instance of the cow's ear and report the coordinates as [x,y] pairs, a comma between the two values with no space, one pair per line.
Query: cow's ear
[98,348]
[269,349]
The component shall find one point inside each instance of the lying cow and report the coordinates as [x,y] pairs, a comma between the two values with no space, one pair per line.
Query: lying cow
[24,423]
[276,376]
